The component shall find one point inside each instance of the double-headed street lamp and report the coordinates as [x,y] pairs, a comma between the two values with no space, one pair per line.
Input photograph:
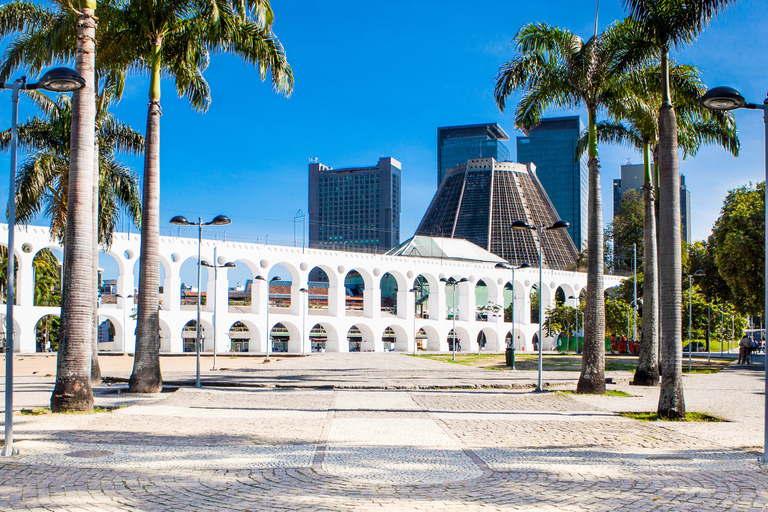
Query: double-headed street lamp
[698,273]
[513,268]
[268,332]
[55,80]
[453,283]
[215,266]
[560,224]
[724,99]
[219,220]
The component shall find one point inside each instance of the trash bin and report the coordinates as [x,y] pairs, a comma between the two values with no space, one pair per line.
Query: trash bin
[510,356]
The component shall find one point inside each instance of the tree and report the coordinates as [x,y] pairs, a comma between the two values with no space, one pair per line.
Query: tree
[661,25]
[739,247]
[627,228]
[176,39]
[556,68]
[701,256]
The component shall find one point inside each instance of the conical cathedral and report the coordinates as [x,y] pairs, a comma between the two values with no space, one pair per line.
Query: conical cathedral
[479,200]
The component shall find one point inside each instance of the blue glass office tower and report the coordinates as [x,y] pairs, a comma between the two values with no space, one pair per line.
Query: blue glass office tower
[551,146]
[457,144]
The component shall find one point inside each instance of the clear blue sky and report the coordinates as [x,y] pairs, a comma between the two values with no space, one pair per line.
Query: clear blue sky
[376,79]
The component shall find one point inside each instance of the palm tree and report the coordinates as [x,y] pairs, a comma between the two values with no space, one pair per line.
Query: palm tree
[556,68]
[635,124]
[662,25]
[176,39]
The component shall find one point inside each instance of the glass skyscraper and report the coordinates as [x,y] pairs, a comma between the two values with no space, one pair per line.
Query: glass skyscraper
[457,144]
[551,146]
[355,209]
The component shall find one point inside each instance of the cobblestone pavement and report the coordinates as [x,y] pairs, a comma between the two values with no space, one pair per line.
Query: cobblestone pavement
[394,449]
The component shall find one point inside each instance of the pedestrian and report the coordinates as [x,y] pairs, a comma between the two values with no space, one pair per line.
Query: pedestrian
[743,345]
[752,348]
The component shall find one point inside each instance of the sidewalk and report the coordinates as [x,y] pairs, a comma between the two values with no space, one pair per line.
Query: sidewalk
[340,448]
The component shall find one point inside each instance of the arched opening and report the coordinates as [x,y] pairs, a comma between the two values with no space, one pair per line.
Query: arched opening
[4,276]
[47,275]
[281,290]
[355,339]
[421,285]
[559,296]
[47,332]
[389,291]
[354,288]
[280,338]
[509,303]
[421,340]
[318,338]
[188,294]
[535,297]
[454,337]
[481,340]
[452,301]
[389,339]
[239,286]
[319,292]
[189,335]
[239,337]
[106,334]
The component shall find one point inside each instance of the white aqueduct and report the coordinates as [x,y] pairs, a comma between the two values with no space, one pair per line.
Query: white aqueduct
[399,325]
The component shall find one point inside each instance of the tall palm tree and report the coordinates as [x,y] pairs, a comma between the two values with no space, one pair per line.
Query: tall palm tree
[661,26]
[176,39]
[635,124]
[556,68]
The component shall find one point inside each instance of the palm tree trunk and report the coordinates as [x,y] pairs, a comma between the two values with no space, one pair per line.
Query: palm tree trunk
[671,400]
[73,373]
[146,377]
[647,373]
[592,379]
[95,368]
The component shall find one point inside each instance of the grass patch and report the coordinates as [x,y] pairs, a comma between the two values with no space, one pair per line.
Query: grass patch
[689,416]
[530,361]
[608,392]
[47,410]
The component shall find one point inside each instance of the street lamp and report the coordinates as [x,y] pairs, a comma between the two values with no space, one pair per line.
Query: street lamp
[513,268]
[268,332]
[560,224]
[453,283]
[219,220]
[723,99]
[125,321]
[304,306]
[54,80]
[634,294]
[576,326]
[416,288]
[216,268]
[698,273]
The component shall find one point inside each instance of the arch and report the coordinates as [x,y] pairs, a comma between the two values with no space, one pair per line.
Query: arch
[286,337]
[108,332]
[189,334]
[46,268]
[360,338]
[354,293]
[331,337]
[47,332]
[240,337]
[389,287]
[432,338]
[394,338]
[318,337]
[323,287]
[284,292]
[463,338]
[240,298]
[490,338]
[422,286]
[519,339]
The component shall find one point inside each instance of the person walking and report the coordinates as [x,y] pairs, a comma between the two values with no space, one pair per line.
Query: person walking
[744,345]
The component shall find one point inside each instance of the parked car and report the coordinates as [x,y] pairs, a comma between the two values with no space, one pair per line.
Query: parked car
[697,347]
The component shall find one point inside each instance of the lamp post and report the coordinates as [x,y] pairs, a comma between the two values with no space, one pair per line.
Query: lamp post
[576,325]
[219,220]
[125,321]
[560,224]
[709,348]
[54,80]
[513,268]
[216,268]
[304,307]
[726,98]
[416,288]
[634,293]
[453,283]
[698,273]
[268,332]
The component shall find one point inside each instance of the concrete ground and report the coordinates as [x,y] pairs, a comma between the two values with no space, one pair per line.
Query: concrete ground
[367,431]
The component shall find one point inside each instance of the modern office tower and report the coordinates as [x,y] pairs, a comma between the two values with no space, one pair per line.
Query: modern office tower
[551,146]
[632,179]
[478,201]
[457,144]
[355,209]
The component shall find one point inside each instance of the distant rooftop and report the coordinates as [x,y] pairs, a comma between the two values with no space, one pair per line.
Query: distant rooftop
[492,130]
[443,248]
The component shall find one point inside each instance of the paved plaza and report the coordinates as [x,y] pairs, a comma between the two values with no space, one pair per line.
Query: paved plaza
[382,432]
